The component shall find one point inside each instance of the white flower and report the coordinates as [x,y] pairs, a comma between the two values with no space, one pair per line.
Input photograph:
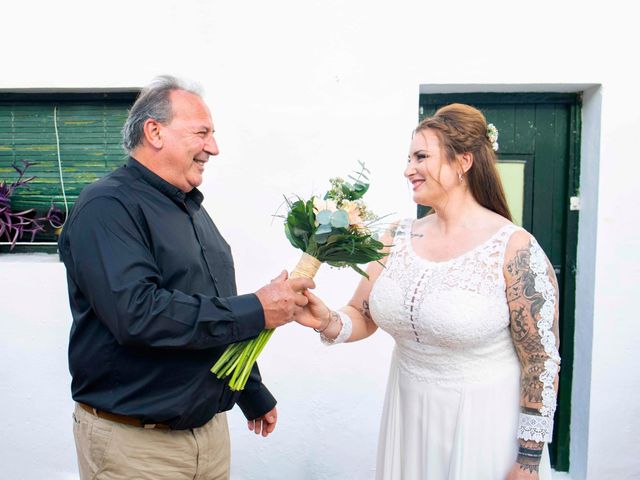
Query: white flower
[492,135]
[353,210]
[320,205]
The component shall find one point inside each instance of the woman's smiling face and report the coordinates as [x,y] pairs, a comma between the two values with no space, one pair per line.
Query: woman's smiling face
[428,170]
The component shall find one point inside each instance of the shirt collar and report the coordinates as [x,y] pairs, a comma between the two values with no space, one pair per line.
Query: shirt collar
[165,187]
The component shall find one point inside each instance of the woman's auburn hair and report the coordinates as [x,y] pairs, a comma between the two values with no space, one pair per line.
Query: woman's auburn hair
[463,129]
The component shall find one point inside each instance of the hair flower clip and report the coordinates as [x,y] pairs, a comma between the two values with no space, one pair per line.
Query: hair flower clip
[492,135]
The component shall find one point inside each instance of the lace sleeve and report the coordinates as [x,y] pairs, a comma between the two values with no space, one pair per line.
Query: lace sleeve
[532,296]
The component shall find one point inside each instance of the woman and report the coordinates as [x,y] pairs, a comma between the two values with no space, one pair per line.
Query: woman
[471,301]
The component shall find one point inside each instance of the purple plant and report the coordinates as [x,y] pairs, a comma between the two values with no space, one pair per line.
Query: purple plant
[55,216]
[16,225]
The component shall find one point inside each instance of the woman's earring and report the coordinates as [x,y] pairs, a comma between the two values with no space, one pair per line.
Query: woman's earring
[460,177]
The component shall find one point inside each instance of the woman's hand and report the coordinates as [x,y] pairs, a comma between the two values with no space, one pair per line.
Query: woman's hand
[314,314]
[523,472]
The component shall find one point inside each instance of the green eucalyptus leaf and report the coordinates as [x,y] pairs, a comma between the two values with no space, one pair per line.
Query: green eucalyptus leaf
[361,187]
[340,219]
[321,238]
[324,217]
[364,168]
[359,190]
[311,214]
[323,228]
[299,232]
[294,240]
[359,270]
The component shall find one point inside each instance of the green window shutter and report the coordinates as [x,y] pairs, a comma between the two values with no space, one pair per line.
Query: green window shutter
[89,135]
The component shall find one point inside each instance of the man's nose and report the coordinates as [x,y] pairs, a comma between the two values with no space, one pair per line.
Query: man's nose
[211,146]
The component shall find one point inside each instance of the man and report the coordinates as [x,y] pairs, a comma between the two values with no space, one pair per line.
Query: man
[154,303]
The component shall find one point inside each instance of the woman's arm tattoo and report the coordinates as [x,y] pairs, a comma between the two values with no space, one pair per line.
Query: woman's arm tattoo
[525,304]
[532,294]
[365,309]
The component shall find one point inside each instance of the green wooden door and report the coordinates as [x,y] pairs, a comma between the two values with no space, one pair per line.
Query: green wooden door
[538,162]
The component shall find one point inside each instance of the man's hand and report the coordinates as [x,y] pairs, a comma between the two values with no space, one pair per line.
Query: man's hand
[264,424]
[282,299]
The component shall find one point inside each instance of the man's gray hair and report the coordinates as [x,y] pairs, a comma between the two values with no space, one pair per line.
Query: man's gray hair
[153,102]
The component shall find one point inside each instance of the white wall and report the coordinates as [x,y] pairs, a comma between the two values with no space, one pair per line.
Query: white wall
[34,380]
[300,91]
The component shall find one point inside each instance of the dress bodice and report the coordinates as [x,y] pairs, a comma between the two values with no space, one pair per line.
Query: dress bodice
[450,319]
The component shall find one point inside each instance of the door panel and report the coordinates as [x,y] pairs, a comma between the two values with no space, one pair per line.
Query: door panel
[512,174]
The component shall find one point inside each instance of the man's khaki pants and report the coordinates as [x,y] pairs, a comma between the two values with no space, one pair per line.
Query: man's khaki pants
[112,451]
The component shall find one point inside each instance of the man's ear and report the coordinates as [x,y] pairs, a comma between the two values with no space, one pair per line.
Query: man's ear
[153,133]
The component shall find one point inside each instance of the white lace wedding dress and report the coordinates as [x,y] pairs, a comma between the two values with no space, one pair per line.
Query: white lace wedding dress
[453,396]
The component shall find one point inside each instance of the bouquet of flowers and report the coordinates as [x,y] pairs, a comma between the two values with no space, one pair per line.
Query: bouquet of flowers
[337,230]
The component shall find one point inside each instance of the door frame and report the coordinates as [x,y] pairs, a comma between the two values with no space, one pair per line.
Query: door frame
[561,445]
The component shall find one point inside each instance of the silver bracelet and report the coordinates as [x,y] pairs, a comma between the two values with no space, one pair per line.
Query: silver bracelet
[345,329]
[327,325]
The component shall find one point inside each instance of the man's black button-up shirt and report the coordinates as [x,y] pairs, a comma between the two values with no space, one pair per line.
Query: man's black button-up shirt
[154,303]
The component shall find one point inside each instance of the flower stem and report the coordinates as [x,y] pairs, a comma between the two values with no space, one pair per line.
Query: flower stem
[228,353]
[258,346]
[237,360]
[241,375]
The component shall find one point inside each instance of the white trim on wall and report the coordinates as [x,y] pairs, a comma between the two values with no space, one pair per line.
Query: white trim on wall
[585,281]
[586,257]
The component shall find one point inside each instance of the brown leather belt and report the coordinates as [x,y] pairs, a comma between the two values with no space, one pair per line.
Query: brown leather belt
[114,417]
